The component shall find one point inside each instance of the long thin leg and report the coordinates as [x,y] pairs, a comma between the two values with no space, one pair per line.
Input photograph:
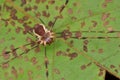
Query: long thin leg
[79,35]
[7,52]
[62,8]
[46,64]
[20,55]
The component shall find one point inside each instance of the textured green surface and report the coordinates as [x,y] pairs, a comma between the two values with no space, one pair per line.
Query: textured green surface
[93,18]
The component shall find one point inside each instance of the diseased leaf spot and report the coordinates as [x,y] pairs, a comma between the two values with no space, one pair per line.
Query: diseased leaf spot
[30,73]
[21,71]
[106,23]
[85,48]
[70,11]
[37,1]
[18,29]
[100,51]
[34,60]
[105,16]
[5,65]
[23,2]
[82,24]
[83,67]
[45,14]
[101,72]
[56,71]
[78,34]
[13,50]
[5,54]
[14,72]
[37,50]
[72,55]
[66,34]
[112,66]
[51,2]
[94,23]
[62,78]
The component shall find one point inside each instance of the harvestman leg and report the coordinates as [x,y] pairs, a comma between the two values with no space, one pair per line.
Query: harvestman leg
[7,52]
[46,59]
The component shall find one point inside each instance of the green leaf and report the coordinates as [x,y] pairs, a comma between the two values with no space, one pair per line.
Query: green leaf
[86,45]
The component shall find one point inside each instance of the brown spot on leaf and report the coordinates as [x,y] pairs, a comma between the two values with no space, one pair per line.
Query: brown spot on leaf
[28,39]
[83,67]
[105,16]
[94,23]
[27,28]
[50,23]
[25,18]
[18,29]
[5,54]
[62,78]
[75,4]
[101,72]
[59,53]
[38,14]
[70,11]
[21,71]
[37,49]
[90,12]
[26,58]
[13,14]
[28,8]
[5,65]
[12,23]
[51,1]
[74,18]
[110,29]
[106,23]
[23,2]
[45,14]
[82,24]
[13,50]
[112,66]
[78,34]
[66,34]
[100,51]
[34,60]
[37,1]
[85,42]
[85,48]
[43,1]
[14,72]
[20,20]
[35,7]
[30,73]
[67,49]
[56,71]
[72,55]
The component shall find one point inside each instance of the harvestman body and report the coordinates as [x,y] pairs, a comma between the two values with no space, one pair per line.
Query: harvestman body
[44,35]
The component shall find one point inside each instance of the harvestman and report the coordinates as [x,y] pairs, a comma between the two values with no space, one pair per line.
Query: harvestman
[45,37]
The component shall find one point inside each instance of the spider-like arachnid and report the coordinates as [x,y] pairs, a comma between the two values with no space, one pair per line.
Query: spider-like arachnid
[44,35]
